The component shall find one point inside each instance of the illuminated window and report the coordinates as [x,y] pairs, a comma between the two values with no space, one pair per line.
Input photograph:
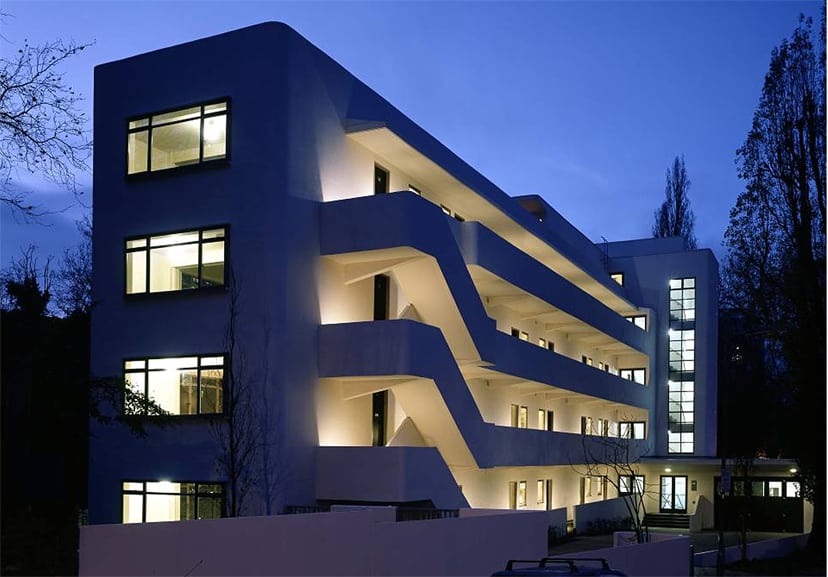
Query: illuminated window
[586,426]
[520,416]
[638,320]
[185,260]
[542,343]
[187,136]
[618,277]
[179,385]
[542,419]
[627,484]
[682,366]
[791,489]
[631,429]
[521,494]
[637,375]
[541,491]
[150,501]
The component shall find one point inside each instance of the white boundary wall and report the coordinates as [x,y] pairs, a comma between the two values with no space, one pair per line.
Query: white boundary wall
[367,542]
[665,555]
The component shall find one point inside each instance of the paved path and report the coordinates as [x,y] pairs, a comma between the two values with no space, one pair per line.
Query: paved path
[705,541]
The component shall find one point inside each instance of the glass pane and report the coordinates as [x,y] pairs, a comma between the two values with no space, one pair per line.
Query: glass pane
[675,283]
[213,233]
[623,484]
[211,361]
[215,137]
[758,488]
[209,507]
[163,487]
[163,508]
[173,363]
[133,486]
[137,152]
[212,258]
[791,489]
[136,272]
[136,243]
[139,123]
[135,364]
[212,381]
[774,488]
[135,382]
[164,390]
[174,268]
[176,115]
[173,239]
[216,107]
[188,393]
[188,507]
[175,145]
[689,282]
[133,509]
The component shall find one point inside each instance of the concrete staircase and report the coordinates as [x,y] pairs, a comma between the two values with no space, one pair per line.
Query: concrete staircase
[672,520]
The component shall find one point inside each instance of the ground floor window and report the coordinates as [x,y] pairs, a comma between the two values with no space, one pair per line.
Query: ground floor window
[151,501]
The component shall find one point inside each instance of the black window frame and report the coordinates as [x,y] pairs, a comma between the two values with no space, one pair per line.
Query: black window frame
[196,494]
[632,371]
[201,242]
[223,160]
[198,368]
[632,484]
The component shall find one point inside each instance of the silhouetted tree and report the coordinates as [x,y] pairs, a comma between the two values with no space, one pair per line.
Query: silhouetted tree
[42,129]
[613,458]
[775,266]
[73,289]
[675,217]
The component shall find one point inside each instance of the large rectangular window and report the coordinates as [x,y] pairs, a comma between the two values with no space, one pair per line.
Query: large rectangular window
[181,137]
[179,385]
[150,501]
[186,260]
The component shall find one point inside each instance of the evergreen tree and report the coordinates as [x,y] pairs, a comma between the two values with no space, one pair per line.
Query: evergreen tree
[675,217]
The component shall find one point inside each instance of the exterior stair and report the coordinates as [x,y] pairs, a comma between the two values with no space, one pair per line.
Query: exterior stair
[672,520]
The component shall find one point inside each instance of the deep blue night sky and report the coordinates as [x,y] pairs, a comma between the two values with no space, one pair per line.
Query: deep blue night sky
[584,103]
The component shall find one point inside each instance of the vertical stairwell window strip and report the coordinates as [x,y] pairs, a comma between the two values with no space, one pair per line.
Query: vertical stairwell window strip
[183,137]
[682,366]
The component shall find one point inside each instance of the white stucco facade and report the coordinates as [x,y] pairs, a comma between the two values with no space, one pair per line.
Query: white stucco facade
[500,334]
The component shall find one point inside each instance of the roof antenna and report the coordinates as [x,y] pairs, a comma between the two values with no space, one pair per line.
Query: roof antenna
[606,254]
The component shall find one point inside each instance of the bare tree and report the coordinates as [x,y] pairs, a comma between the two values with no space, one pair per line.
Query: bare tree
[73,291]
[675,217]
[25,285]
[615,459]
[237,431]
[42,129]
[273,475]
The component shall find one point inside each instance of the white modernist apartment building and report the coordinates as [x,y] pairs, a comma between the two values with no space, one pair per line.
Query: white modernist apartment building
[399,329]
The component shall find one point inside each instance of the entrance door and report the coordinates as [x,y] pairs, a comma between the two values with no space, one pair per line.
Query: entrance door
[673,494]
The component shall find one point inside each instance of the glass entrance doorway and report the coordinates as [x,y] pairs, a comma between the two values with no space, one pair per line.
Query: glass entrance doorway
[673,494]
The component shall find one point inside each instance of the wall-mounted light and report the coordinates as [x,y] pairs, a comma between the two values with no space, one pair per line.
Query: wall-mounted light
[793,469]
[668,470]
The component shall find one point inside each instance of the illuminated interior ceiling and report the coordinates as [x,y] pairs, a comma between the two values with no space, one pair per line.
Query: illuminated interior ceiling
[498,292]
[527,387]
[446,189]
